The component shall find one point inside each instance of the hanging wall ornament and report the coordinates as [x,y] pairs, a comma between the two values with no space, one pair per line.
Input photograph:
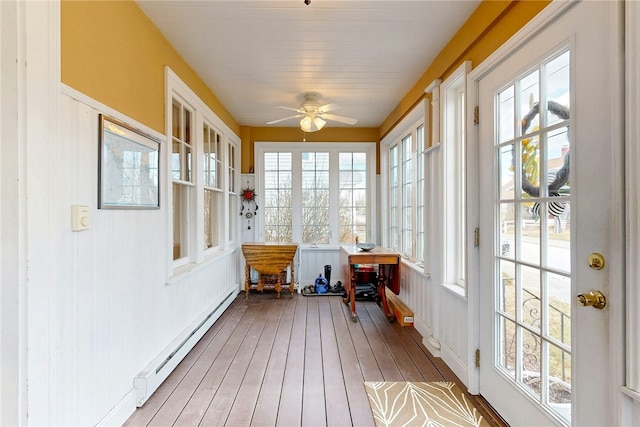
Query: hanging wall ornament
[530,162]
[249,206]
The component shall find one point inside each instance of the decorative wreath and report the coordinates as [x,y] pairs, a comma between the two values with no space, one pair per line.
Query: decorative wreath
[562,175]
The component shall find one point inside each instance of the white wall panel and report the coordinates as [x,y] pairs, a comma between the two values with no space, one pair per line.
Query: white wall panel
[107,309]
[312,262]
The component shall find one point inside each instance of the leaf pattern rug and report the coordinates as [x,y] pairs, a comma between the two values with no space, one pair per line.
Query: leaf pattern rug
[396,404]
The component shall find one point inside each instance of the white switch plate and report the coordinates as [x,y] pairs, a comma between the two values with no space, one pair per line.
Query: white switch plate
[79,217]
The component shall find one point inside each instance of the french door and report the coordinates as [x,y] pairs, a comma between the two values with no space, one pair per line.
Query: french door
[545,145]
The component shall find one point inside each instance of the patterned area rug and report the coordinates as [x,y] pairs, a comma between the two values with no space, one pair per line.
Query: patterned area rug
[397,404]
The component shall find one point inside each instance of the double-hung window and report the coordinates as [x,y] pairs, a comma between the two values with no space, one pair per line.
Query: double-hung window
[204,177]
[452,92]
[212,178]
[182,125]
[403,160]
[316,196]
[232,189]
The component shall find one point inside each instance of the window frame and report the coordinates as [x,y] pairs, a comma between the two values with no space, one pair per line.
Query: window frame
[262,147]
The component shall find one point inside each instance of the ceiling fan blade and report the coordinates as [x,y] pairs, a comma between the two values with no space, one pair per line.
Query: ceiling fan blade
[290,108]
[286,118]
[328,107]
[340,119]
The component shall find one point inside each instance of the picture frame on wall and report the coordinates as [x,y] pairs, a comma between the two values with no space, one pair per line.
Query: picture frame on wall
[128,167]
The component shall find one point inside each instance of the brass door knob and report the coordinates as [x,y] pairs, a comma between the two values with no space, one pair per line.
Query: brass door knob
[594,299]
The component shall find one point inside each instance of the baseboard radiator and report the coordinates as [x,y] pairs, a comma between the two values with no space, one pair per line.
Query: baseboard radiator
[149,379]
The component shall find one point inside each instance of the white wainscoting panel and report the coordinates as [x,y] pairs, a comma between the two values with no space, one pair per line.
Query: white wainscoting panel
[312,262]
[112,311]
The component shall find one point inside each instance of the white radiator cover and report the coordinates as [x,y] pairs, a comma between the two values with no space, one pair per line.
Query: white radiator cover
[154,374]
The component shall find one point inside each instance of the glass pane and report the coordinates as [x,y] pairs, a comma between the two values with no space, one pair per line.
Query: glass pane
[559,307]
[559,390]
[530,167]
[507,345]
[530,297]
[507,295]
[506,114]
[180,236]
[507,230]
[506,176]
[529,247]
[175,159]
[187,126]
[211,217]
[529,97]
[176,123]
[531,358]
[187,172]
[558,88]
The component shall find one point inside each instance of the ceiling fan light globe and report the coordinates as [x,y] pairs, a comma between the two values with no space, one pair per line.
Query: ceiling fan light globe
[319,122]
[305,124]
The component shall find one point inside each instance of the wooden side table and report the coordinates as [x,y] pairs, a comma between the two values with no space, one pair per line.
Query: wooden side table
[388,262]
[271,259]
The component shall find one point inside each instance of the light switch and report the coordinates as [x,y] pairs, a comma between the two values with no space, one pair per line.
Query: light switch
[79,217]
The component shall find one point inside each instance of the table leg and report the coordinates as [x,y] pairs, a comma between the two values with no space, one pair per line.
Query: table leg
[247,281]
[292,282]
[382,293]
[351,293]
[279,285]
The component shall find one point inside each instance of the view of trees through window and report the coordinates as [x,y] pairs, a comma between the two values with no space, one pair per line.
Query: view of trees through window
[328,204]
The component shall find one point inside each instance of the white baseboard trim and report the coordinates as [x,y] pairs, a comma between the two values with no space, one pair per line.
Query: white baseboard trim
[120,413]
[455,363]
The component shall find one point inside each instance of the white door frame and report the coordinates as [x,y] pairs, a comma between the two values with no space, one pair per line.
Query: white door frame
[631,384]
[616,278]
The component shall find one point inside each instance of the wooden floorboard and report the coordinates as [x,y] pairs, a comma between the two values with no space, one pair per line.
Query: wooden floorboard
[266,411]
[292,362]
[336,402]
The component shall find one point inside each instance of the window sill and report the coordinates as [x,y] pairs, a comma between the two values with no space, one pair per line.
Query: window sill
[456,290]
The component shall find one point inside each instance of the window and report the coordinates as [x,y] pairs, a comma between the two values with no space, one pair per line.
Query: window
[204,178]
[406,241]
[403,155]
[420,189]
[453,142]
[277,197]
[234,198]
[394,218]
[315,197]
[182,148]
[353,197]
[212,171]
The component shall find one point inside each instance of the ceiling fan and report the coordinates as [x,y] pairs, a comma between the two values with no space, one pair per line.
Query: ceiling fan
[314,115]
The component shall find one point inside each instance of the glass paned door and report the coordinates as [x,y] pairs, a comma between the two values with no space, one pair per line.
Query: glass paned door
[534,251]
[546,183]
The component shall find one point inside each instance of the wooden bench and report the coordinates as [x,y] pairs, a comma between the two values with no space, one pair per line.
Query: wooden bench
[402,313]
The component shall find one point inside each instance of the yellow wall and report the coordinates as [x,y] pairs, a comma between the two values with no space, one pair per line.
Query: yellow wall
[113,53]
[490,25]
[250,135]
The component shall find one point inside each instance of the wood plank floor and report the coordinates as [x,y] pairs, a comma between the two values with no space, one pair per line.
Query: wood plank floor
[292,362]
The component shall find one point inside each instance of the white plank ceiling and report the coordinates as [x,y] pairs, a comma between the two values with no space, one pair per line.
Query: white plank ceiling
[256,55]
